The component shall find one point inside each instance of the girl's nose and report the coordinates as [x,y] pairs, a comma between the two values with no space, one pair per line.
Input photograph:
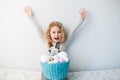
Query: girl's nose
[56,34]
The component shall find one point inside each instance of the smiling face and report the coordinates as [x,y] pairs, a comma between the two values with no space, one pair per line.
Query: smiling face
[55,34]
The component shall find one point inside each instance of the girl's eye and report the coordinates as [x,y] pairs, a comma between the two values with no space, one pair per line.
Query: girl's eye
[54,32]
[59,31]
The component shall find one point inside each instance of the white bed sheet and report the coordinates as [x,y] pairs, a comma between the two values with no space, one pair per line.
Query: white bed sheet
[18,74]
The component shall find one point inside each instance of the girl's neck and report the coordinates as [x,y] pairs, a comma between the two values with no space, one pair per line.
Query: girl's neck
[54,43]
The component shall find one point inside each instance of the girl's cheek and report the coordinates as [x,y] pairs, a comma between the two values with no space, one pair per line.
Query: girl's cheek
[51,35]
[60,35]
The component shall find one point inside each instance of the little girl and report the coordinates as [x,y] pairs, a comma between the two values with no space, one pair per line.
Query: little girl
[55,35]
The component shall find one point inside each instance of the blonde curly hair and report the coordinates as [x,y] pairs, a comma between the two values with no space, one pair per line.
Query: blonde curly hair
[48,36]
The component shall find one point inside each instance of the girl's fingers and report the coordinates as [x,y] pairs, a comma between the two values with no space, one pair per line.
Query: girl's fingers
[28,10]
[83,13]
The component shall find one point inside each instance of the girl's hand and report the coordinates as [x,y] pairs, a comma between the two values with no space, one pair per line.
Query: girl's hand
[28,10]
[83,13]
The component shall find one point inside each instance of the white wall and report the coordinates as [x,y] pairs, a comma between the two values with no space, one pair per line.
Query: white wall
[97,46]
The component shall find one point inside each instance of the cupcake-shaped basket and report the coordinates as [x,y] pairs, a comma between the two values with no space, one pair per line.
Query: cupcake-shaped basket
[57,69]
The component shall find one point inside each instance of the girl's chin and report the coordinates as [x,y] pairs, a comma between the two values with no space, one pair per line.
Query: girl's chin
[56,40]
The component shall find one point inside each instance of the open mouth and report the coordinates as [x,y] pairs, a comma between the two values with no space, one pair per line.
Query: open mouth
[56,38]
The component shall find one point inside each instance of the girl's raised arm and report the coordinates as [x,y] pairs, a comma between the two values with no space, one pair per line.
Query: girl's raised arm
[83,14]
[30,15]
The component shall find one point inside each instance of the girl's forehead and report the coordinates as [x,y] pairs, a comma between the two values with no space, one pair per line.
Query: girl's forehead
[55,28]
